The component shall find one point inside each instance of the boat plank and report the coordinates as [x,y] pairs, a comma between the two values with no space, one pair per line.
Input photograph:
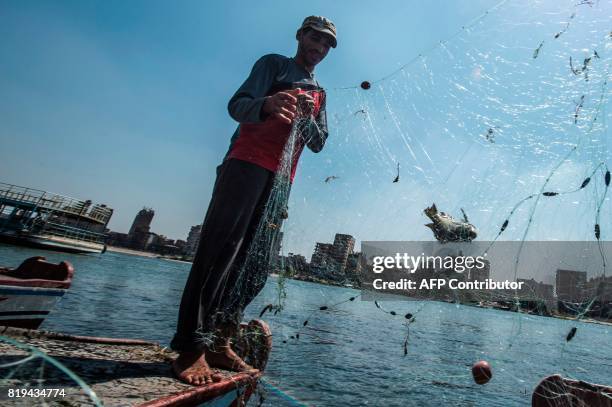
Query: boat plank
[120,372]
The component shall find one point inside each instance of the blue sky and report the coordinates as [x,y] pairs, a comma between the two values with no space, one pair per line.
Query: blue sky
[125,103]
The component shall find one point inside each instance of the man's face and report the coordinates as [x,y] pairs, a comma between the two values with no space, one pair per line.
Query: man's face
[314,46]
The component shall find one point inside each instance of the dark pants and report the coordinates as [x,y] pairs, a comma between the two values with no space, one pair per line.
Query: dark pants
[217,289]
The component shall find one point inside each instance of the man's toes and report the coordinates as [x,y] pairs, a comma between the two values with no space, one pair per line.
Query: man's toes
[216,377]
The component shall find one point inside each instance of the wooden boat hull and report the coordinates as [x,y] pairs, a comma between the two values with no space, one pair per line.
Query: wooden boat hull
[557,391]
[27,307]
[30,292]
[121,372]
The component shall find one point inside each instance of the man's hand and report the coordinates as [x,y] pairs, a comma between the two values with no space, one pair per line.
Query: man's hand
[305,104]
[282,105]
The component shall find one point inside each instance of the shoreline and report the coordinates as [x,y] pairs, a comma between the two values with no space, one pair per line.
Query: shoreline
[132,252]
[140,253]
[334,284]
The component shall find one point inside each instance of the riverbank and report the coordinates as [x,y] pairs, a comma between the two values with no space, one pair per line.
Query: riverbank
[353,345]
[123,250]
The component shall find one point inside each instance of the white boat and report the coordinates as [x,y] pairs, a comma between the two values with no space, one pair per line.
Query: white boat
[31,217]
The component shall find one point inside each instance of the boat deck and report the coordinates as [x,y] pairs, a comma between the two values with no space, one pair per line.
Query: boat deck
[120,372]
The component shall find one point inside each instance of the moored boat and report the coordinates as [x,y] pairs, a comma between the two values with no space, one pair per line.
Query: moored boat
[36,218]
[558,391]
[29,292]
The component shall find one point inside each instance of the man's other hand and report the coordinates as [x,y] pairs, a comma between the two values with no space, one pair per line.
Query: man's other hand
[282,105]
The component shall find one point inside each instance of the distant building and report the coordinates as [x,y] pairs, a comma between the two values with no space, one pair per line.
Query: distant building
[600,290]
[354,266]
[600,287]
[329,260]
[322,255]
[479,274]
[296,264]
[139,232]
[570,285]
[153,240]
[533,290]
[180,244]
[117,239]
[342,247]
[193,239]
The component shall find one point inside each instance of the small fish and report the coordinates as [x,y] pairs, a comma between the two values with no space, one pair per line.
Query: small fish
[575,71]
[537,50]
[578,108]
[331,178]
[585,182]
[266,309]
[571,334]
[447,229]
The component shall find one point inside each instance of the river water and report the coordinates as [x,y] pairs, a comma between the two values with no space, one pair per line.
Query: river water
[351,354]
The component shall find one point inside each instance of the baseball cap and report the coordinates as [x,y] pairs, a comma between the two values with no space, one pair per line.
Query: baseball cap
[321,24]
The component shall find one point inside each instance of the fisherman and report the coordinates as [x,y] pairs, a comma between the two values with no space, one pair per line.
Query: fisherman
[278,91]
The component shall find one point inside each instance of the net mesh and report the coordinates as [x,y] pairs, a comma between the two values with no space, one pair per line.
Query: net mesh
[504,122]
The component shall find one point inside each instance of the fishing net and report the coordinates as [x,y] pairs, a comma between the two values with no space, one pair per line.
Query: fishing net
[503,125]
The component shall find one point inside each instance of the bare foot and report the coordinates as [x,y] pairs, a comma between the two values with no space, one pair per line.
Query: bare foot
[225,358]
[191,367]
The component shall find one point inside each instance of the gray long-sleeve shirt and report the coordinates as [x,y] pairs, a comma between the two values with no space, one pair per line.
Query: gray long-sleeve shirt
[270,74]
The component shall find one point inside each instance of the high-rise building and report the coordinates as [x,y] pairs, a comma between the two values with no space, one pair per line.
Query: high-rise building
[330,260]
[139,232]
[343,246]
[296,264]
[479,274]
[535,291]
[570,285]
[322,254]
[193,239]
[354,266]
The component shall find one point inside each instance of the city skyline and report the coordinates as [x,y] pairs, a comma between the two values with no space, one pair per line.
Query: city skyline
[131,112]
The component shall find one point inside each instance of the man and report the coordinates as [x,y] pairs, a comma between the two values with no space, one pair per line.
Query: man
[224,278]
